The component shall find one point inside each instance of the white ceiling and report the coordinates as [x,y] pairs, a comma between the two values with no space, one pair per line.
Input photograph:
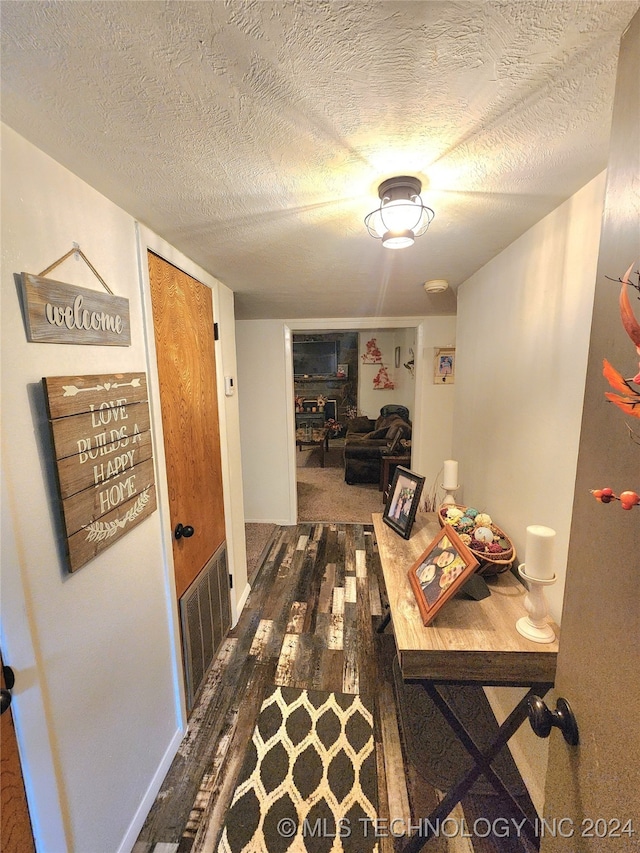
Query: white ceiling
[253,135]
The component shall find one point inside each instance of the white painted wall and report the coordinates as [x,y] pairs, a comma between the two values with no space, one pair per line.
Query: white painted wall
[229,413]
[97,704]
[524,322]
[95,707]
[371,400]
[405,381]
[265,389]
[435,403]
[265,430]
[523,333]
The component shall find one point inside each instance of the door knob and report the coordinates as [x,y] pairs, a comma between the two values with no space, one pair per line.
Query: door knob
[543,720]
[5,700]
[185,530]
[5,692]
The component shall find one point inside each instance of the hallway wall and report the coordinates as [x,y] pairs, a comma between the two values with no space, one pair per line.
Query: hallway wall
[97,702]
[524,322]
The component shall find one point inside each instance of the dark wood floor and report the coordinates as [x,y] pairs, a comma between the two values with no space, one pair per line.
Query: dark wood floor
[309,622]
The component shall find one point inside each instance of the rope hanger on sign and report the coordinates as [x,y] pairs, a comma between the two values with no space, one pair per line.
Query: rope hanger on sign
[77,251]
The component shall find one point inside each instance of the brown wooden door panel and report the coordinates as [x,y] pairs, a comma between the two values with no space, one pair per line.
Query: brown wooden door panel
[15,833]
[183,326]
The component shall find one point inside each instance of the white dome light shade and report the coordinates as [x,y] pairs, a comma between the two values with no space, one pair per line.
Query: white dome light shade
[398,239]
[401,216]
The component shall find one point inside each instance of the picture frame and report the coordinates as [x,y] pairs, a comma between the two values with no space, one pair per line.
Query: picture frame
[402,503]
[444,365]
[440,571]
[397,357]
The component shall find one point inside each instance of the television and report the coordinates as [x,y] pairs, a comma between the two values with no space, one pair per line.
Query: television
[315,358]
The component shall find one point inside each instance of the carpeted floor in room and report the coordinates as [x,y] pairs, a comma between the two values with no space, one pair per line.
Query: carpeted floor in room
[323,494]
[258,539]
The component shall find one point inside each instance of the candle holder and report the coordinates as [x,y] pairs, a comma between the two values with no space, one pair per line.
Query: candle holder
[534,626]
[449,490]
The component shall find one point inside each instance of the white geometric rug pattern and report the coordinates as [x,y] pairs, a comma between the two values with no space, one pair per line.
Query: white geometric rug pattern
[308,782]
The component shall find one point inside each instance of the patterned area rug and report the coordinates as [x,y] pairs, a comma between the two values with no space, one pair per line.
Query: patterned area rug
[308,782]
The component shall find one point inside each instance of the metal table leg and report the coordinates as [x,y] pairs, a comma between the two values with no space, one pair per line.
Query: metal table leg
[482,766]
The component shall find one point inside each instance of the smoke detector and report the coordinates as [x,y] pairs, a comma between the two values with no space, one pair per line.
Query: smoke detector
[436,285]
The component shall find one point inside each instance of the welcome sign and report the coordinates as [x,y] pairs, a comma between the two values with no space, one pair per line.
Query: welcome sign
[100,427]
[58,313]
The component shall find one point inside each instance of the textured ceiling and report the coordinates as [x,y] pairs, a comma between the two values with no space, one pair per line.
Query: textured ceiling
[253,135]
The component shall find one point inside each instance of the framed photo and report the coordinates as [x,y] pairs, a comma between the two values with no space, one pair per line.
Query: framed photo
[402,504]
[444,366]
[440,571]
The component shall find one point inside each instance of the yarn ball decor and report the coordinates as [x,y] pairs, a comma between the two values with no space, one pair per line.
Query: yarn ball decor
[490,545]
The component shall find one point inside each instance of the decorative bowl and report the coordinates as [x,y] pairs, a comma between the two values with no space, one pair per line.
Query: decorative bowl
[494,557]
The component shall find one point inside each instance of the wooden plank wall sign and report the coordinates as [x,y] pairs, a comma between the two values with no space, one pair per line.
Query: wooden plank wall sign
[102,442]
[58,313]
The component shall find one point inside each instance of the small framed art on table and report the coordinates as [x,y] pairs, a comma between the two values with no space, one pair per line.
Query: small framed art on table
[440,572]
[402,504]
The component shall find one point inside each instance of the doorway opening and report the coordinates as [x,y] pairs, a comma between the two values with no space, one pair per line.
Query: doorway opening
[342,379]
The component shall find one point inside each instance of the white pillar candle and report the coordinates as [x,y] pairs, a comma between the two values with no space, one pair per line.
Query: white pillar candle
[539,552]
[450,479]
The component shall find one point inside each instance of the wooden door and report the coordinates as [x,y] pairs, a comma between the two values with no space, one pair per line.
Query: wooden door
[595,786]
[15,831]
[184,336]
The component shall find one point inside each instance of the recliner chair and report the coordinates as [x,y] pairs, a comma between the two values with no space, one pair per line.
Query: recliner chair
[366,440]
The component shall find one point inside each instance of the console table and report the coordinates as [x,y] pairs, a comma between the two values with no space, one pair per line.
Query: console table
[467,642]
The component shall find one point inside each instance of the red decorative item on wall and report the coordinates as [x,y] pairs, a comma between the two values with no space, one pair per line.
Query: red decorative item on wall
[382,381]
[372,354]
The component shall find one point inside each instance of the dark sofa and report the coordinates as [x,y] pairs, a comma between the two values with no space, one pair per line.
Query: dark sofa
[366,440]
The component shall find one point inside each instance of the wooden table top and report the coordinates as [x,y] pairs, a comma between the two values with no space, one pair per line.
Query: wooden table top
[472,641]
[318,435]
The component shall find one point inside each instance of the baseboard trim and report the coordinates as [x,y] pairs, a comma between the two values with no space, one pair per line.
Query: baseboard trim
[240,603]
[132,833]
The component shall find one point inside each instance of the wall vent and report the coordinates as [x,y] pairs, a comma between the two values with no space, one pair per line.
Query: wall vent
[205,614]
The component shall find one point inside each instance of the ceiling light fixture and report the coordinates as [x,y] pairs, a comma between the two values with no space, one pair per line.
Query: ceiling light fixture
[436,285]
[402,216]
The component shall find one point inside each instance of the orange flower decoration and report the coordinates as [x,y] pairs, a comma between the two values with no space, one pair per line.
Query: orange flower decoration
[627,398]
[630,402]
